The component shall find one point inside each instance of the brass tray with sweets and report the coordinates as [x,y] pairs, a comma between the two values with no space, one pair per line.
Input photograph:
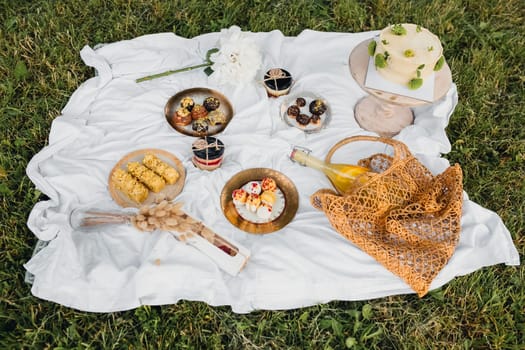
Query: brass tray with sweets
[267,203]
[141,194]
[198,112]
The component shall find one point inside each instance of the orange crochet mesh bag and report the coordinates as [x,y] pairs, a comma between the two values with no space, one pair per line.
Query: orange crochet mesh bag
[403,216]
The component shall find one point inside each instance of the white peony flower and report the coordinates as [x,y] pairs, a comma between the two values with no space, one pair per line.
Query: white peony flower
[237,60]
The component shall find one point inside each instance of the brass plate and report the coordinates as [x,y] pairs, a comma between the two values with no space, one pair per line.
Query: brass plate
[198,95]
[257,174]
[169,191]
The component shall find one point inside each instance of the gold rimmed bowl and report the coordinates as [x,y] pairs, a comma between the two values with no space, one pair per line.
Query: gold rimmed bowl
[286,189]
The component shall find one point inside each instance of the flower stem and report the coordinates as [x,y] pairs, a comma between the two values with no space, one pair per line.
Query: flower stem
[159,75]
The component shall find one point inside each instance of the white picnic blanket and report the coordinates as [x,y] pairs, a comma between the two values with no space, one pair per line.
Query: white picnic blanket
[305,263]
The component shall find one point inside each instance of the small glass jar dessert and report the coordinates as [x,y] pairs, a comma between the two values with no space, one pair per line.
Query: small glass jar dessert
[208,153]
[277,82]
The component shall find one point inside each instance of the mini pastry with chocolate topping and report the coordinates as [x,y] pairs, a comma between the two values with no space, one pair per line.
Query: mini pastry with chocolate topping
[300,102]
[211,103]
[199,112]
[181,117]
[277,82]
[187,102]
[315,119]
[200,125]
[303,119]
[293,111]
[216,117]
[317,107]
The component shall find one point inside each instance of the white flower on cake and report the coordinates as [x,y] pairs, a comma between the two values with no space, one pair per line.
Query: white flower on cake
[237,60]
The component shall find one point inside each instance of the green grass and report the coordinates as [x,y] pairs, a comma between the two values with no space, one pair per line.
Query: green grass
[485,46]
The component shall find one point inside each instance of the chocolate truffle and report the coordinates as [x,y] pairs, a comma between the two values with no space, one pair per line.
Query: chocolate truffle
[317,107]
[293,111]
[303,119]
[211,103]
[301,102]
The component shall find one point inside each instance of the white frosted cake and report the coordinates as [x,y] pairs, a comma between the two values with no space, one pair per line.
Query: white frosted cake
[406,54]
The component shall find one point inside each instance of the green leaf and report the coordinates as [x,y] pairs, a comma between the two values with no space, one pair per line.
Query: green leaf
[415,83]
[325,324]
[304,316]
[372,48]
[421,67]
[208,71]
[380,61]
[439,64]
[357,326]
[367,311]
[21,71]
[350,342]
[337,327]
[437,294]
[211,52]
[354,313]
[418,28]
[398,29]
[5,190]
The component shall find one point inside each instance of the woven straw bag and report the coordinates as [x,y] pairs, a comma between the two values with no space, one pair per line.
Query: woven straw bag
[403,216]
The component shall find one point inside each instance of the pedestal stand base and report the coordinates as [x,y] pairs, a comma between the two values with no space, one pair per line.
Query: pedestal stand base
[381,117]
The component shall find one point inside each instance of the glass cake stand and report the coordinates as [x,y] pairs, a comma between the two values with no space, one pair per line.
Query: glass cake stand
[383,112]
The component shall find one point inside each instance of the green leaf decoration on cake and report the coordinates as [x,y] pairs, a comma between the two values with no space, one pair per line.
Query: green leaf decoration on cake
[372,48]
[430,48]
[439,64]
[418,29]
[380,61]
[421,67]
[398,29]
[415,83]
[385,42]
[409,53]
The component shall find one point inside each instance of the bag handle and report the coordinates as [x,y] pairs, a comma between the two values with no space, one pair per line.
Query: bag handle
[401,151]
